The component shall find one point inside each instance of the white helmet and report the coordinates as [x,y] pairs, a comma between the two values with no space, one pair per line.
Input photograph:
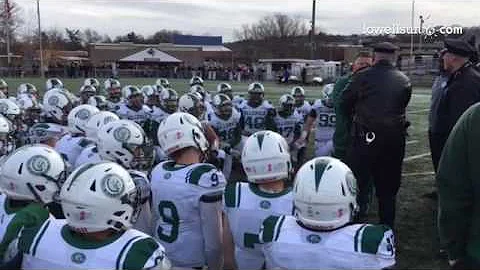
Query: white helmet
[88,89]
[324,193]
[327,94]
[27,88]
[163,82]
[56,103]
[30,107]
[266,157]
[9,109]
[224,88]
[98,101]
[196,80]
[297,91]
[7,141]
[148,90]
[126,143]
[192,104]
[130,90]
[111,84]
[53,83]
[286,103]
[42,132]
[33,172]
[100,196]
[79,116]
[92,82]
[256,87]
[97,121]
[181,130]
[169,100]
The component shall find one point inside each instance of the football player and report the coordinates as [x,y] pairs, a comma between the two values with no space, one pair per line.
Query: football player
[168,105]
[94,124]
[46,133]
[30,180]
[53,83]
[133,108]
[301,105]
[87,91]
[266,162]
[72,144]
[57,104]
[204,96]
[289,124]
[31,114]
[225,88]
[151,95]
[196,80]
[225,120]
[323,113]
[125,143]
[163,83]
[3,88]
[101,203]
[257,113]
[320,235]
[113,90]
[98,101]
[187,196]
[92,82]
[27,88]
[7,139]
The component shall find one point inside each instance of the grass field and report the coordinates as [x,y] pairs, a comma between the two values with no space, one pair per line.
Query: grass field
[416,242]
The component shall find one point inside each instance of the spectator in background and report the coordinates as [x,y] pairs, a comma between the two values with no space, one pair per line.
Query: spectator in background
[304,74]
[452,94]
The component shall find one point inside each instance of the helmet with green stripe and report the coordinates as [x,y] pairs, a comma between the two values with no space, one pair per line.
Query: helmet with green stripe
[325,193]
[266,157]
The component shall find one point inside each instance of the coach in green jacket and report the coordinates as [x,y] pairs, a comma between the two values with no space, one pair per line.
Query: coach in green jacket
[459,192]
[341,137]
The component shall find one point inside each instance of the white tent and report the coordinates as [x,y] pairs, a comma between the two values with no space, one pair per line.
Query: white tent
[150,55]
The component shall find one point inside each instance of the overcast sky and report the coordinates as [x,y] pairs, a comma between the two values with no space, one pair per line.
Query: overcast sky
[116,17]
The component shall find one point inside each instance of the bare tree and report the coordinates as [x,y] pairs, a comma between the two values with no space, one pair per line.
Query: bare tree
[10,20]
[277,25]
[91,36]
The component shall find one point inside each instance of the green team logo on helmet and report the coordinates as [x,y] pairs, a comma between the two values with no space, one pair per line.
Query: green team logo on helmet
[167,175]
[265,204]
[38,165]
[112,185]
[78,258]
[314,238]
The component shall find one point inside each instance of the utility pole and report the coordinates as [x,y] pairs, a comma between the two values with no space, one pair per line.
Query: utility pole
[42,70]
[411,35]
[422,20]
[7,29]
[312,33]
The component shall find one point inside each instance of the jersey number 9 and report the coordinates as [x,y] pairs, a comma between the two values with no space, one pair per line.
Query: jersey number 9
[170,218]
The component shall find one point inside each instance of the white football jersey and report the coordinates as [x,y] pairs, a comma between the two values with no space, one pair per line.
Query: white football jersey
[287,127]
[70,147]
[158,115]
[114,106]
[254,118]
[130,250]
[139,117]
[246,206]
[326,119]
[304,110]
[5,218]
[289,245]
[225,128]
[88,155]
[176,193]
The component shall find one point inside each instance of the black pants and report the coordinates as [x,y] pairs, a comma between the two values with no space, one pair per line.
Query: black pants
[380,161]
[437,142]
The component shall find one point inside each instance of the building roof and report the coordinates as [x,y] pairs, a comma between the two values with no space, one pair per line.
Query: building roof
[150,55]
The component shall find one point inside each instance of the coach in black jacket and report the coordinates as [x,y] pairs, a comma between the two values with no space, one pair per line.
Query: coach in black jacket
[376,100]
[453,97]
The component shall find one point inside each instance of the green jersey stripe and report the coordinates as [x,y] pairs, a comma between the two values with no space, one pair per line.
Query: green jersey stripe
[269,228]
[119,258]
[239,193]
[372,237]
[357,234]
[198,171]
[39,236]
[139,253]
[230,192]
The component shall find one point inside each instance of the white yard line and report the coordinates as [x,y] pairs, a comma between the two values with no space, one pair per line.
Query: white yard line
[419,111]
[416,157]
[418,174]
[411,142]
